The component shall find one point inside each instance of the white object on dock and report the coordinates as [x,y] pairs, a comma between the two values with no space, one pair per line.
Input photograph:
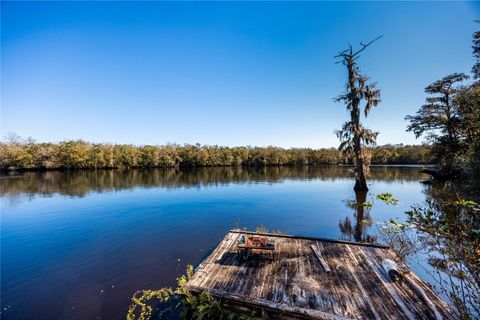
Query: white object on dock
[391,269]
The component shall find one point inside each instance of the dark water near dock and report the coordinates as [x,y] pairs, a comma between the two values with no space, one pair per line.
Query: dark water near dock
[77,245]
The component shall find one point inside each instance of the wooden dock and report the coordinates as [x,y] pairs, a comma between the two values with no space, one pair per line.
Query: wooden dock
[315,278]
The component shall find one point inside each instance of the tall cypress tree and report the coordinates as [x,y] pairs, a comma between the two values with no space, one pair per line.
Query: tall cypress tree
[353,135]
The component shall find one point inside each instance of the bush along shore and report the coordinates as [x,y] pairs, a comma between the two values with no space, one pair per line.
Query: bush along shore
[26,154]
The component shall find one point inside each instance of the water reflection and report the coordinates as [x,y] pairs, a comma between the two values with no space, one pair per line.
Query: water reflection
[77,245]
[363,220]
[80,183]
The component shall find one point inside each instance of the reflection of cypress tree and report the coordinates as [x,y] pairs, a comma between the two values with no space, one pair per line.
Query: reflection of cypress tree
[79,183]
[363,220]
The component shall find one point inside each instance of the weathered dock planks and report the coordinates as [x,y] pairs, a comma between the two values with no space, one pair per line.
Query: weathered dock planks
[315,278]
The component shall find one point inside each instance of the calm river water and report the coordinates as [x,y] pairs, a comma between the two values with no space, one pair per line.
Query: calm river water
[77,245]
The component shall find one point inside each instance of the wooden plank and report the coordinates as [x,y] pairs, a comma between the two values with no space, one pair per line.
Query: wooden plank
[347,298]
[221,272]
[209,263]
[295,286]
[366,297]
[385,305]
[386,284]
[312,238]
[320,258]
[316,314]
[413,289]
[440,305]
[425,298]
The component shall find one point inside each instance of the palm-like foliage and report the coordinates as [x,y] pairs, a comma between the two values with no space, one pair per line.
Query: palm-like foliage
[359,92]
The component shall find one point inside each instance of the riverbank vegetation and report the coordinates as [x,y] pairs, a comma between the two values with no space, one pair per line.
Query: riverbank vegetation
[446,234]
[446,231]
[450,120]
[179,303]
[26,154]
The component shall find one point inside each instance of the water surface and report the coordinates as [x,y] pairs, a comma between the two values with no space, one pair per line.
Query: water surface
[77,245]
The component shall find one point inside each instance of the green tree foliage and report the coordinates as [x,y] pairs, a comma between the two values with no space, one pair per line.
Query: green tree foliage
[476,54]
[449,231]
[445,231]
[73,154]
[353,135]
[402,154]
[17,153]
[450,119]
[203,306]
[441,121]
[468,101]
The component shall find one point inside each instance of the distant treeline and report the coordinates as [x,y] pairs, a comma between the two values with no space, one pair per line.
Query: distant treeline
[29,155]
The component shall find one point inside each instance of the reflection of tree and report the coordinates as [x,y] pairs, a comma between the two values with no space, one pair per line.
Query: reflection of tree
[79,183]
[446,233]
[363,220]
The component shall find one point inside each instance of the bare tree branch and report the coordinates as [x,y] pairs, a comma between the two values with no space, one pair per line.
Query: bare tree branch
[348,54]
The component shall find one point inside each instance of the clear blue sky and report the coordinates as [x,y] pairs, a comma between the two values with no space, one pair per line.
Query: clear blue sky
[219,73]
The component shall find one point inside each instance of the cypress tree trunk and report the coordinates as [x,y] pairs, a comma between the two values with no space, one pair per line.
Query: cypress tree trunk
[360,176]
[353,135]
[360,185]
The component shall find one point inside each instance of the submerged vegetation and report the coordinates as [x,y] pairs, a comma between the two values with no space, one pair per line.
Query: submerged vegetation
[26,154]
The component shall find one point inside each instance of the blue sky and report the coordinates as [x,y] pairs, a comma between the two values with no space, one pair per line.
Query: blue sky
[236,73]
